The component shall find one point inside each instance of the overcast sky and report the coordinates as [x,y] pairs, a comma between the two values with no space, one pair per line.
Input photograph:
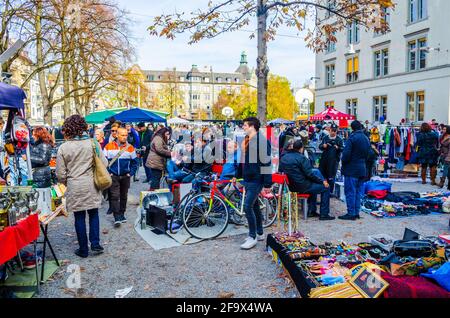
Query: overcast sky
[287,55]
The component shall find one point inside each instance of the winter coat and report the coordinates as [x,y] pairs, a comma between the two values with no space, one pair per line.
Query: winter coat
[329,161]
[74,168]
[299,171]
[40,155]
[126,163]
[159,153]
[133,138]
[256,161]
[355,155]
[428,147]
[445,149]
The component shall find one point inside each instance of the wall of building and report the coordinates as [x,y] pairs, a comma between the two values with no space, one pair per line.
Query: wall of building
[434,80]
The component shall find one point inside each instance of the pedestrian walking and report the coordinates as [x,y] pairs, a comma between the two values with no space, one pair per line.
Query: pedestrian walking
[74,168]
[331,147]
[428,154]
[354,170]
[257,174]
[122,166]
[158,156]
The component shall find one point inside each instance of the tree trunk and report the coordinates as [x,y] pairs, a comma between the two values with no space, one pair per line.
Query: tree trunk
[46,105]
[262,69]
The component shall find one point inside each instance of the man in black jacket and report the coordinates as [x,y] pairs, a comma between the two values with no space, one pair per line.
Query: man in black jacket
[303,180]
[332,147]
[255,169]
[145,137]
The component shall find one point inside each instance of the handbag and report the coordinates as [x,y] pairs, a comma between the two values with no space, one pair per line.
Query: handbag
[417,248]
[102,178]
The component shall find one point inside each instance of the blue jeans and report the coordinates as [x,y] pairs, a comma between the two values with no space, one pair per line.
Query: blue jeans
[94,229]
[354,190]
[314,190]
[251,208]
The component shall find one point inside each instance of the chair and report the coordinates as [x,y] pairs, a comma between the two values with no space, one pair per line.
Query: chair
[282,179]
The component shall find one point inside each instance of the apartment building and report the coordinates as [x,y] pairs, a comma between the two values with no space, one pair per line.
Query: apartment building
[402,73]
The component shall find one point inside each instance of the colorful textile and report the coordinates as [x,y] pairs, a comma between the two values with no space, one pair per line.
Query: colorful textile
[441,276]
[344,290]
[412,287]
[16,237]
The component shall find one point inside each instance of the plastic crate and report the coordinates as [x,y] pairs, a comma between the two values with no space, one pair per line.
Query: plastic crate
[387,247]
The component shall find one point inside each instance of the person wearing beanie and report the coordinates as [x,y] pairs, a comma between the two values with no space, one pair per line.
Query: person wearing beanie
[354,170]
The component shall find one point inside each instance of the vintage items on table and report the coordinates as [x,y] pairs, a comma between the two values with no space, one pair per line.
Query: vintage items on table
[344,270]
[16,204]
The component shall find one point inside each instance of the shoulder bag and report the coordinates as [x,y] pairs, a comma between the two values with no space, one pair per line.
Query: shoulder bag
[102,178]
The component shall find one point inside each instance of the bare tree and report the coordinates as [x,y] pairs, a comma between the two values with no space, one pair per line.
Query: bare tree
[233,15]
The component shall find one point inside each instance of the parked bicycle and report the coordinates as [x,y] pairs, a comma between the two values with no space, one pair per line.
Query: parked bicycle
[207,215]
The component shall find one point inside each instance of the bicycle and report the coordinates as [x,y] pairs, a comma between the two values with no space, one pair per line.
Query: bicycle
[207,215]
[176,220]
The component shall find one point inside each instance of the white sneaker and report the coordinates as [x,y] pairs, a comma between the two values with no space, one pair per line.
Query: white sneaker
[260,237]
[249,243]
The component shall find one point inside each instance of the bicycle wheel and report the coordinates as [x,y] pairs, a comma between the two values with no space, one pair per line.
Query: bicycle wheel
[268,209]
[176,221]
[205,217]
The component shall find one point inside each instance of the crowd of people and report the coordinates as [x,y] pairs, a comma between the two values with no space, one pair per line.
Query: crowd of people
[309,154]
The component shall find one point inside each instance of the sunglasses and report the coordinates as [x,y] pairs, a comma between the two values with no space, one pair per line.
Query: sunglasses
[114,131]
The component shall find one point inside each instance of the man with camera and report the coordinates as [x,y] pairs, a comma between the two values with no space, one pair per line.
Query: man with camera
[332,147]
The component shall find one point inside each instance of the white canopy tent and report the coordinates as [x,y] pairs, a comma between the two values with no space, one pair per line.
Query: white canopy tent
[177,121]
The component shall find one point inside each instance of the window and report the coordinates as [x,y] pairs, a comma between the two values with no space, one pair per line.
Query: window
[415,106]
[331,5]
[352,107]
[381,63]
[352,69]
[151,77]
[330,78]
[181,78]
[219,79]
[379,108]
[385,20]
[417,54]
[331,46]
[237,80]
[353,33]
[207,97]
[417,10]
[329,104]
[228,80]
[196,97]
[206,79]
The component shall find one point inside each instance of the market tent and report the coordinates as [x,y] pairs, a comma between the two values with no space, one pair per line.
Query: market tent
[280,121]
[177,121]
[332,114]
[135,115]
[11,97]
[99,117]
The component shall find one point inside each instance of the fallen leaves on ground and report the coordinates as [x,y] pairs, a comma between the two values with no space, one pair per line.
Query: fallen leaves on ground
[225,295]
[105,231]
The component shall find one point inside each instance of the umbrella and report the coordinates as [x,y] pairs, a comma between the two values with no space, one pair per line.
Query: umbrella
[11,97]
[332,114]
[280,121]
[177,121]
[100,117]
[135,115]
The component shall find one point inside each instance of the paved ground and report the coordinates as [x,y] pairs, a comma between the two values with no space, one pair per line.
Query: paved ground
[208,269]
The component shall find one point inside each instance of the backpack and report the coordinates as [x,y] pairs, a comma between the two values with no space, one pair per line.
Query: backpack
[20,133]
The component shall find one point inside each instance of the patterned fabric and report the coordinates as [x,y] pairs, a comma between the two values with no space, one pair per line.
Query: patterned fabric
[344,290]
[127,162]
[412,287]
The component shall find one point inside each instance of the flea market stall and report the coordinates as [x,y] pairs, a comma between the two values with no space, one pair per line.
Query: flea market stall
[23,212]
[410,267]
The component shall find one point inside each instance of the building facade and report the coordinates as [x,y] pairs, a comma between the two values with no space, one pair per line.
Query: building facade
[198,88]
[403,73]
